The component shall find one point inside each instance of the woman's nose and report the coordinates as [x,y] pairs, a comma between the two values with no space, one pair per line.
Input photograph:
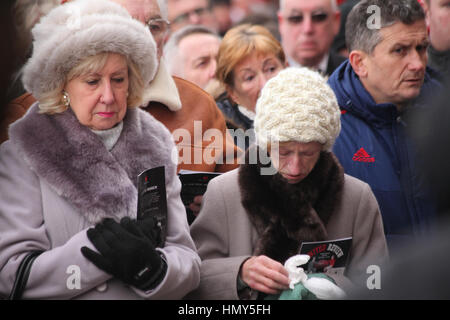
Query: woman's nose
[107,94]
[262,80]
[295,165]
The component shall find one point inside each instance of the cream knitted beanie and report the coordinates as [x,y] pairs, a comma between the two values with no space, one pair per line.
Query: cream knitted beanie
[297,105]
[78,29]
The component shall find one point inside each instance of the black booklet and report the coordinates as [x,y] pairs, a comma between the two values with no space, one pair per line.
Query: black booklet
[193,183]
[325,255]
[152,200]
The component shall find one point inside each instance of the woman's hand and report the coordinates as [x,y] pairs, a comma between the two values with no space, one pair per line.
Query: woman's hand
[126,252]
[264,274]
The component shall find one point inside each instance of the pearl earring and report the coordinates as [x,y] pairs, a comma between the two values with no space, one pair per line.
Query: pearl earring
[66,99]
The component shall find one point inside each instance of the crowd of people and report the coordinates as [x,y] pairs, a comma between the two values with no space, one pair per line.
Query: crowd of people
[320,117]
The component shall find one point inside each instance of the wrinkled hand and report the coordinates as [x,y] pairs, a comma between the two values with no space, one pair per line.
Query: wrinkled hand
[126,252]
[264,274]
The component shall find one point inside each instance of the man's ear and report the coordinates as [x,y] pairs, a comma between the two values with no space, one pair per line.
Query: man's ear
[281,23]
[358,60]
[336,22]
[279,17]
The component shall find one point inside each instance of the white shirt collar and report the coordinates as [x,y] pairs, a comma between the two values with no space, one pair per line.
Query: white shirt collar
[247,112]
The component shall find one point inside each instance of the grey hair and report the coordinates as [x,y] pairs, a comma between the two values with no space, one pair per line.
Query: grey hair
[359,36]
[334,5]
[163,9]
[171,52]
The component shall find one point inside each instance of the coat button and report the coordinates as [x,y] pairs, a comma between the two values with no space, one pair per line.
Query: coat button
[102,287]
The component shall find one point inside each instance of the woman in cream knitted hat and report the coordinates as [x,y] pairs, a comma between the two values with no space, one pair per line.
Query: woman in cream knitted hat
[252,222]
[69,172]
[297,106]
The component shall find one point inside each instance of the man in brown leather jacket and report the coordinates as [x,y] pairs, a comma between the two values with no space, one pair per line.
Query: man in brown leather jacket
[185,109]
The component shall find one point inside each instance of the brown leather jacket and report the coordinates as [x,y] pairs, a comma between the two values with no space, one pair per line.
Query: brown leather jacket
[13,111]
[197,105]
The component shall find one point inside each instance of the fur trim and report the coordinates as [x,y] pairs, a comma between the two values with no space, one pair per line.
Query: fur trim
[82,28]
[75,163]
[286,215]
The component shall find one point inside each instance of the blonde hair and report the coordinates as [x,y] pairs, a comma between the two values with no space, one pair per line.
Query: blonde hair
[240,42]
[52,101]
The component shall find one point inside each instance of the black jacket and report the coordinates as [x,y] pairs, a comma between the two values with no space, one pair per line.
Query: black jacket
[334,61]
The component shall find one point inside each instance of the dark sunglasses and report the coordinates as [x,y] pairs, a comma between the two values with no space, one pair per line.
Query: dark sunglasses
[315,18]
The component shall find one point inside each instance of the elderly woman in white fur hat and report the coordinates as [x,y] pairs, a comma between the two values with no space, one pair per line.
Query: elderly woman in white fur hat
[68,174]
[251,222]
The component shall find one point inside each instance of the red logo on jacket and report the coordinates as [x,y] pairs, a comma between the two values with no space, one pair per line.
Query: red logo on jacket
[362,156]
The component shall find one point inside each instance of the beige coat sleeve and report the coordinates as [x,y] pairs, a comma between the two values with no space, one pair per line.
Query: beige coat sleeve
[369,246]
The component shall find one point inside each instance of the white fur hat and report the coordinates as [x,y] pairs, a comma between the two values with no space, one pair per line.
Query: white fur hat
[82,28]
[297,105]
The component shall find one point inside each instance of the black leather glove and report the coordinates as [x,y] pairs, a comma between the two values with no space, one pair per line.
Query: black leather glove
[127,255]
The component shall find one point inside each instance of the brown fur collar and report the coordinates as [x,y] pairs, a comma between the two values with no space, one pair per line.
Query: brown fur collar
[286,215]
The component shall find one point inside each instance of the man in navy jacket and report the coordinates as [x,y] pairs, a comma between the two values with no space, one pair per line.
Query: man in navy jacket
[384,79]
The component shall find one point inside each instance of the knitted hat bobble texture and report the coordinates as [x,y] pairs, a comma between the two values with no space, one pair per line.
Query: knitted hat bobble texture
[297,105]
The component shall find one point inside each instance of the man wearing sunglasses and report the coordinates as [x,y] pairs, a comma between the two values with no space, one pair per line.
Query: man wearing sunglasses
[307,30]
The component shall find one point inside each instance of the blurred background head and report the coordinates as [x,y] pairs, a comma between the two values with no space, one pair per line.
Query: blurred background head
[191,54]
[248,57]
[307,29]
[23,15]
[438,20]
[186,12]
[243,8]
[221,11]
[339,44]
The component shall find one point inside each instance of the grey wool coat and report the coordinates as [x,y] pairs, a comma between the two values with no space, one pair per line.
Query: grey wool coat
[225,234]
[57,179]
